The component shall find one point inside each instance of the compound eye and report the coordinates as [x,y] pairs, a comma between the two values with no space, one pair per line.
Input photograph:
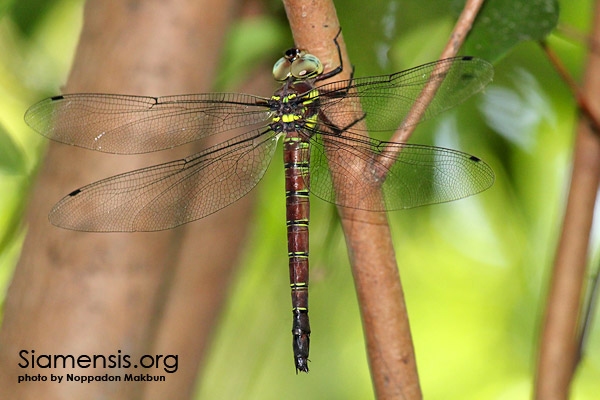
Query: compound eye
[307,66]
[281,69]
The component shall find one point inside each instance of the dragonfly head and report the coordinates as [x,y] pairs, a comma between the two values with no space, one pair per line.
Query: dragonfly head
[297,65]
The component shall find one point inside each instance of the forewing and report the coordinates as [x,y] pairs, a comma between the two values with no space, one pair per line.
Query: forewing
[418,175]
[135,124]
[171,194]
[386,100]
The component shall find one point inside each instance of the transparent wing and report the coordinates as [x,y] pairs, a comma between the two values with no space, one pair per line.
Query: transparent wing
[135,124]
[171,194]
[419,174]
[387,99]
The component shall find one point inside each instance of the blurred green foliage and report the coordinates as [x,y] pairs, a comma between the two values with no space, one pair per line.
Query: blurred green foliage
[37,41]
[474,271]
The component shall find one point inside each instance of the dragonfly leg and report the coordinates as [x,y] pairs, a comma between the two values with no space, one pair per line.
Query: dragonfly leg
[335,130]
[340,67]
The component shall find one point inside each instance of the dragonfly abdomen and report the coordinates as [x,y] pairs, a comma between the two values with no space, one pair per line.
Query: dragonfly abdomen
[296,154]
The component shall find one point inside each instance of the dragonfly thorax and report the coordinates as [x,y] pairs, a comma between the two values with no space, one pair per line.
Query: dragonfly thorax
[294,106]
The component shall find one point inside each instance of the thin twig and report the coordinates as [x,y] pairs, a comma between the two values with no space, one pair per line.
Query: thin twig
[578,95]
[461,29]
[559,338]
[570,33]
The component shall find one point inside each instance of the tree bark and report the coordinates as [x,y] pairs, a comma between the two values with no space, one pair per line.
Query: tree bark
[381,299]
[155,293]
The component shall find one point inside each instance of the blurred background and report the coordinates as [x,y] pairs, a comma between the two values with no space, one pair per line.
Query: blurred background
[474,271]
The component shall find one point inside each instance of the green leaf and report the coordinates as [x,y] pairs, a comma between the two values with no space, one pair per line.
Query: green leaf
[502,24]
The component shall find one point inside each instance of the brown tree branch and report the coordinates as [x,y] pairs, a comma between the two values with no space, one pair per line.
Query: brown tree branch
[144,293]
[559,337]
[381,299]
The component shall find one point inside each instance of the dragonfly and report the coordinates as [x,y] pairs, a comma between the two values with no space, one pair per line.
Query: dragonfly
[318,152]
